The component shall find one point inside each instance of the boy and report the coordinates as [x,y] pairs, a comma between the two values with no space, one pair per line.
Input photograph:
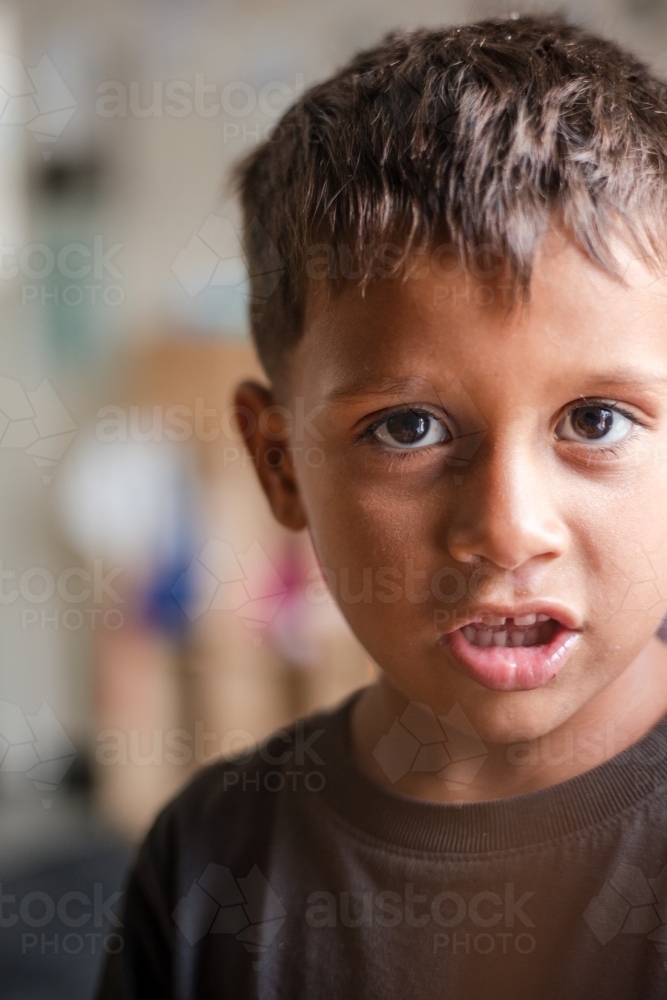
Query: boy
[472,325]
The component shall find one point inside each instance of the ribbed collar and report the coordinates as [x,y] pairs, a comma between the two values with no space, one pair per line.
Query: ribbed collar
[496,825]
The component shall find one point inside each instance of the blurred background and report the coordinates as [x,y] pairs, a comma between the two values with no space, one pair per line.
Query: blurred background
[152,617]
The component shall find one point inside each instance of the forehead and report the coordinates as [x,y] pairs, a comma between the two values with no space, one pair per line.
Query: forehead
[577,321]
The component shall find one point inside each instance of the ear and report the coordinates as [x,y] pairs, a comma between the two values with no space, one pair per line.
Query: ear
[262,422]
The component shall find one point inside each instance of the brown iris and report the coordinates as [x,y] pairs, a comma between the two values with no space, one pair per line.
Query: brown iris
[408,426]
[592,422]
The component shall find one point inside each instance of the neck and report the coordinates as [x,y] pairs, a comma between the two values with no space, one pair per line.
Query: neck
[611,721]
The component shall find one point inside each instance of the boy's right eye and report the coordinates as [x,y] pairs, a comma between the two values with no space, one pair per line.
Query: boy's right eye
[409,430]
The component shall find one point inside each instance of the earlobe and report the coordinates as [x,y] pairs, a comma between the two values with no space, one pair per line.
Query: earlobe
[266,434]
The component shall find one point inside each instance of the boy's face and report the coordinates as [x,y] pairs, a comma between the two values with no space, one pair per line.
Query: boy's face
[468,460]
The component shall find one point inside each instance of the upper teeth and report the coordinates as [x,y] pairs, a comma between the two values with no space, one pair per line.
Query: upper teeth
[481,635]
[518,619]
[525,620]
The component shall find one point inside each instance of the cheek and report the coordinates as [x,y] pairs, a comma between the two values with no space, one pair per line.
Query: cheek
[379,552]
[371,527]
[623,555]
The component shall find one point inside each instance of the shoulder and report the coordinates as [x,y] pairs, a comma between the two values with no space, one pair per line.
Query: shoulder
[230,797]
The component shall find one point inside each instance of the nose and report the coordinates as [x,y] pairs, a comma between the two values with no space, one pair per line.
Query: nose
[506,510]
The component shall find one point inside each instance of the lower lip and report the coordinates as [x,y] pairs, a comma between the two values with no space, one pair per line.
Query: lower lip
[518,668]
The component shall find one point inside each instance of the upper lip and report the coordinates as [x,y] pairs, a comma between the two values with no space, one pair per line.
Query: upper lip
[554,609]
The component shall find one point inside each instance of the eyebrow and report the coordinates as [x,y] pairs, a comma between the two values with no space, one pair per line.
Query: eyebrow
[628,378]
[372,386]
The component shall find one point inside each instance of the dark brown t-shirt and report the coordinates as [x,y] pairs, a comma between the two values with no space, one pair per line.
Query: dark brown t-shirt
[292,875]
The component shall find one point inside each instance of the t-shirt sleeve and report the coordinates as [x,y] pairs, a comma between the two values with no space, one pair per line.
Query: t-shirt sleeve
[143,968]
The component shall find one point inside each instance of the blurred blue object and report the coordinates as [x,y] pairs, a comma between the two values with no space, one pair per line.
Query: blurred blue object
[166,597]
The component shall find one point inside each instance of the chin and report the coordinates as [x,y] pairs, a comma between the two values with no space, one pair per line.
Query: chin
[517,717]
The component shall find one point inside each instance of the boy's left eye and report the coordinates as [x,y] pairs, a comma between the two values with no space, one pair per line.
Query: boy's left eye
[596,424]
[409,430]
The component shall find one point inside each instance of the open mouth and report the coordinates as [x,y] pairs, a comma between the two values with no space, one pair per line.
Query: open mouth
[524,630]
[512,653]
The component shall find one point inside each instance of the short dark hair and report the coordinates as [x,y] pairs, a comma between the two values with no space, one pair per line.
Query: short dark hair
[483,132]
